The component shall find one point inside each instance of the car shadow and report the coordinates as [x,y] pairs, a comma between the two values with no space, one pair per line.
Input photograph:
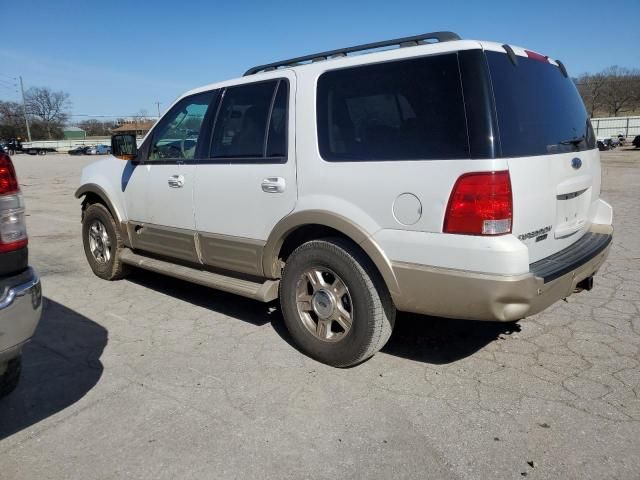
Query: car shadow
[421,338]
[235,306]
[60,365]
[438,340]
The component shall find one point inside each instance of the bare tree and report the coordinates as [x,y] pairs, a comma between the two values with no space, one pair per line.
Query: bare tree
[592,88]
[613,91]
[11,121]
[49,106]
[622,90]
[96,128]
[140,116]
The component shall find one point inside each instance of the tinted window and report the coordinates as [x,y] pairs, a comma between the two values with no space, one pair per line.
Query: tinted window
[241,126]
[277,139]
[539,110]
[176,137]
[402,110]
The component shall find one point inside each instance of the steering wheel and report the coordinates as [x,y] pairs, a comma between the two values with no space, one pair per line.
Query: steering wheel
[172,151]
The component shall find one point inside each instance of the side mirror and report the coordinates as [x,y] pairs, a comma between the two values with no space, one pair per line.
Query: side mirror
[124,146]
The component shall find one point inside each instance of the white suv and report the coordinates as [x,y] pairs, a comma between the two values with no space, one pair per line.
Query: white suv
[446,177]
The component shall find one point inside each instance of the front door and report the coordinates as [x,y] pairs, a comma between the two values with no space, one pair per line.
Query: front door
[160,189]
[248,182]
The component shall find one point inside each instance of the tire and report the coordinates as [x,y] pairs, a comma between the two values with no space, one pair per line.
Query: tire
[10,378]
[366,302]
[108,266]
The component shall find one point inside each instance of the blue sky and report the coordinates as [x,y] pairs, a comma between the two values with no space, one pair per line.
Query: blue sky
[118,57]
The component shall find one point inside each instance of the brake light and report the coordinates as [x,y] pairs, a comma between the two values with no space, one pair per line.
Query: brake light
[13,228]
[8,178]
[480,204]
[537,56]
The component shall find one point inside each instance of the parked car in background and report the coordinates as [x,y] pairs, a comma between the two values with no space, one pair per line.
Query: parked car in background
[79,150]
[607,144]
[636,141]
[20,292]
[99,150]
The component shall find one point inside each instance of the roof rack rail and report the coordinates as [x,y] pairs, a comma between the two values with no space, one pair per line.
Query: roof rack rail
[343,52]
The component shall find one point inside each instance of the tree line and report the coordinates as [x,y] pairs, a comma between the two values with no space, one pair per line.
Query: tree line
[48,113]
[47,110]
[613,92]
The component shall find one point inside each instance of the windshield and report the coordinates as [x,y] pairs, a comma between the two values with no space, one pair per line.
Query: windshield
[539,110]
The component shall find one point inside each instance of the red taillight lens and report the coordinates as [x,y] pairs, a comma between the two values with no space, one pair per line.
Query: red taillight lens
[537,56]
[480,204]
[8,178]
[13,229]
[10,247]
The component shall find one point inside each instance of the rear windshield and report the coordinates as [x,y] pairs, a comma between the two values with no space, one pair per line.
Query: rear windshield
[401,110]
[539,110]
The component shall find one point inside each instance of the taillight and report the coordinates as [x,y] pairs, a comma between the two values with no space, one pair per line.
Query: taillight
[8,178]
[13,228]
[480,204]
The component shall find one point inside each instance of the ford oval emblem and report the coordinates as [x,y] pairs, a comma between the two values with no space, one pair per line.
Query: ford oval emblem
[576,163]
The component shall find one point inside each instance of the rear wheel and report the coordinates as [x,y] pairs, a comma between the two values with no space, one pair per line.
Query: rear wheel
[10,377]
[102,243]
[334,303]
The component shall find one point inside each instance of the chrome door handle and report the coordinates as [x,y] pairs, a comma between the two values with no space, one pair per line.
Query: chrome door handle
[176,181]
[274,185]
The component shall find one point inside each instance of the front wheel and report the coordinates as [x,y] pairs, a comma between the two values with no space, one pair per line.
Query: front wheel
[102,243]
[334,303]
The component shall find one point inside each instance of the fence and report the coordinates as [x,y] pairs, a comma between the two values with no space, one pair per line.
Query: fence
[66,145]
[614,126]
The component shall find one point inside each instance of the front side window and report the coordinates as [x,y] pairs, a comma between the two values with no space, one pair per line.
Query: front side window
[176,138]
[251,122]
[401,110]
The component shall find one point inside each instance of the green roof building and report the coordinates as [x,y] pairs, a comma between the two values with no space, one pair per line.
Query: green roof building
[74,133]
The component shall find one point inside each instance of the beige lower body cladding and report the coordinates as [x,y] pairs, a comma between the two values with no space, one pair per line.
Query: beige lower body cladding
[477,296]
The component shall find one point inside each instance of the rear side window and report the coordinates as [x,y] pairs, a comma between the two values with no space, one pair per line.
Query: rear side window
[251,122]
[539,111]
[400,110]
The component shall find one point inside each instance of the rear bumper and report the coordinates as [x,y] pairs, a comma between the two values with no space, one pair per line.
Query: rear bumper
[20,311]
[477,296]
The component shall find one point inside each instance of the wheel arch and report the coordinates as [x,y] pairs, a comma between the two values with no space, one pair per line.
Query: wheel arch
[93,193]
[302,226]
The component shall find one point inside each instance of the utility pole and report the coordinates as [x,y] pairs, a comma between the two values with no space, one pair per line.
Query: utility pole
[158,105]
[24,109]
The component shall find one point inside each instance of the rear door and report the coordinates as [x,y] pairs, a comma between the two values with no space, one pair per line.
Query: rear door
[248,182]
[547,139]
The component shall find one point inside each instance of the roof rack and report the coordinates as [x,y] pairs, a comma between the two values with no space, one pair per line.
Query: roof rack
[343,52]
